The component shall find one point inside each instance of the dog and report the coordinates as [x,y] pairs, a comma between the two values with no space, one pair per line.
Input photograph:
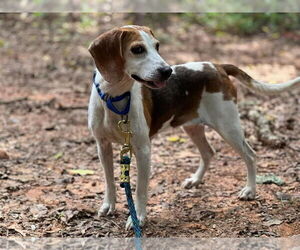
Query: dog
[190,95]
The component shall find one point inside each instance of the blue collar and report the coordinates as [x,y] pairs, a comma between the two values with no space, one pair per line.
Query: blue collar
[110,100]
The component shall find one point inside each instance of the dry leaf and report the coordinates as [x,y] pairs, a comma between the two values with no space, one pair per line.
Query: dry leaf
[3,155]
[81,172]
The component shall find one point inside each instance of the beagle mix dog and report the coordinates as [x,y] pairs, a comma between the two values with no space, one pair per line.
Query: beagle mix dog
[190,95]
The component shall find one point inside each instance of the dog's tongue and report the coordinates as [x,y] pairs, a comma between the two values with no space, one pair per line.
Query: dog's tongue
[160,84]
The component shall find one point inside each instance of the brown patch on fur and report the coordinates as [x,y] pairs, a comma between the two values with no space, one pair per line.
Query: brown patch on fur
[181,97]
[129,37]
[136,27]
[108,49]
[106,52]
[147,105]
[236,72]
[225,85]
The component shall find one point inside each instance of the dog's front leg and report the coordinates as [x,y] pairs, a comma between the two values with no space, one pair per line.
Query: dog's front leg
[142,150]
[106,157]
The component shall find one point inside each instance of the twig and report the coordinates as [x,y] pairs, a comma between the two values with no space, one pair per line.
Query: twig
[71,107]
[13,101]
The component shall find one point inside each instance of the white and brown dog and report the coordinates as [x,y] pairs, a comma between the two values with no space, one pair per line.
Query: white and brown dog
[190,95]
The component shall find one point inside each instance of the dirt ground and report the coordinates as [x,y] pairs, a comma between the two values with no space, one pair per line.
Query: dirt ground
[45,79]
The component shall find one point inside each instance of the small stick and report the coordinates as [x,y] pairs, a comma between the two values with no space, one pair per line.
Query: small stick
[72,107]
[13,101]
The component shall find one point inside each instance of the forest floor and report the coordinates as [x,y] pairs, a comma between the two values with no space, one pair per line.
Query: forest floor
[45,79]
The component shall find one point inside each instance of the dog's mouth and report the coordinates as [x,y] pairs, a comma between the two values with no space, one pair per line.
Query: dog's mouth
[150,84]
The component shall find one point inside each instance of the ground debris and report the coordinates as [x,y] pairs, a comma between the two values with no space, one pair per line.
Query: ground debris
[269,179]
[3,155]
[272,222]
[264,129]
[43,129]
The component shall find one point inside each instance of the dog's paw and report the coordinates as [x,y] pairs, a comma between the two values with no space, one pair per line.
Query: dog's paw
[129,224]
[106,209]
[191,182]
[247,193]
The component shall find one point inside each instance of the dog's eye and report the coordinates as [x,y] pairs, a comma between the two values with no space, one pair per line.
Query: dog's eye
[157,46]
[138,49]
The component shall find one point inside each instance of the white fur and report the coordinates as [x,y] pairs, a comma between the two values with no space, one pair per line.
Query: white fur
[145,65]
[271,88]
[130,26]
[197,66]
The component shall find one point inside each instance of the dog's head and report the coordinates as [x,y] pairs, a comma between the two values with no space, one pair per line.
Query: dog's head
[130,51]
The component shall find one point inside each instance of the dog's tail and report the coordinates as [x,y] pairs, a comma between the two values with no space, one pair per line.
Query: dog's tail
[257,86]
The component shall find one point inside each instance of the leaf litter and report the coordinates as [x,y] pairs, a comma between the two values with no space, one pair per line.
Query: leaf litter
[44,131]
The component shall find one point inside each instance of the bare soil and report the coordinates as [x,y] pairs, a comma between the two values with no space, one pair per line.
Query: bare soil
[45,79]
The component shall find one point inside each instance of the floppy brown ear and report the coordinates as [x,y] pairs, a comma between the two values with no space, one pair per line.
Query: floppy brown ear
[107,53]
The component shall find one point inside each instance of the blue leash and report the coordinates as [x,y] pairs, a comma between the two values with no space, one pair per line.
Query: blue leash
[125,159]
[135,221]
[136,224]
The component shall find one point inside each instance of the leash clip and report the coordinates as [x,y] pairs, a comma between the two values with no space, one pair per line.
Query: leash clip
[126,150]
[124,127]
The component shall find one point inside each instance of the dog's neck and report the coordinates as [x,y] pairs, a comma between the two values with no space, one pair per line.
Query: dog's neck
[115,89]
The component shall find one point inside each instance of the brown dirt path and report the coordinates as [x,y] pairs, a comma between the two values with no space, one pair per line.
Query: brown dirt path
[46,65]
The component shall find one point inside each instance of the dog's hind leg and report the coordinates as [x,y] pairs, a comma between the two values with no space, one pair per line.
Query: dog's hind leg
[222,115]
[234,136]
[197,135]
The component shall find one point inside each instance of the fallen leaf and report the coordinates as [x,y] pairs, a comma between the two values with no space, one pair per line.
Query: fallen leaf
[3,155]
[2,43]
[269,179]
[173,138]
[38,211]
[34,193]
[176,139]
[159,189]
[81,171]
[272,222]
[283,197]
[17,228]
[58,155]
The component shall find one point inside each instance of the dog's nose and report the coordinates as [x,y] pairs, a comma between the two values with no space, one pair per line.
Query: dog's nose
[165,72]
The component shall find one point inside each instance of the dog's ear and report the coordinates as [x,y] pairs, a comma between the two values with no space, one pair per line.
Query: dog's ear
[107,52]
